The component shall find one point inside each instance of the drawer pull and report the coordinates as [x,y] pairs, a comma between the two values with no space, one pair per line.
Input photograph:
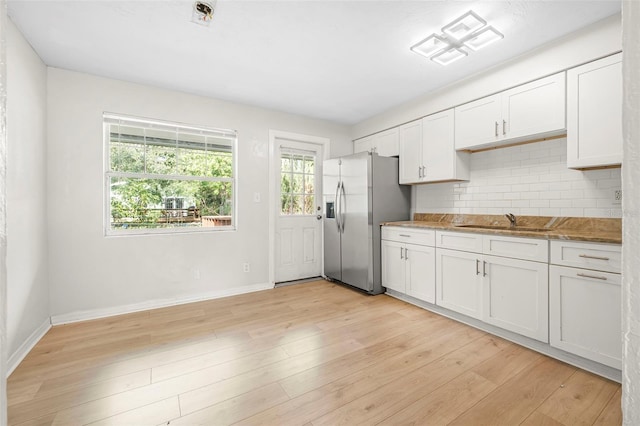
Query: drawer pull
[586,256]
[405,235]
[595,277]
[477,266]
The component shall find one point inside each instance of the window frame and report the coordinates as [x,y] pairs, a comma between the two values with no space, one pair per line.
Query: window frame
[147,123]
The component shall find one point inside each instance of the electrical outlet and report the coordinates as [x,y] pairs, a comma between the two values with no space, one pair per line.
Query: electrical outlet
[246,267]
[617,195]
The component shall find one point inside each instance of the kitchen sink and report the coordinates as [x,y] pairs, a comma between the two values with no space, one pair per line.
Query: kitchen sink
[504,228]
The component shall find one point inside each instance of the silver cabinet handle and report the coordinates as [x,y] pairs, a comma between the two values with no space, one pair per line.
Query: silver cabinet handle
[477,266]
[401,257]
[405,235]
[586,256]
[484,268]
[406,254]
[424,171]
[595,277]
[419,171]
[496,129]
[504,127]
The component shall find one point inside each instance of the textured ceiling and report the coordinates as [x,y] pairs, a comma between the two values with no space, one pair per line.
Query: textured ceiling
[342,61]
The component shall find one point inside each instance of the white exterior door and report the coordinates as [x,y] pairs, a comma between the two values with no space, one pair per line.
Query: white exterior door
[298,233]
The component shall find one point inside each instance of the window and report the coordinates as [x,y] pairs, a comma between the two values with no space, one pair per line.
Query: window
[167,177]
[297,173]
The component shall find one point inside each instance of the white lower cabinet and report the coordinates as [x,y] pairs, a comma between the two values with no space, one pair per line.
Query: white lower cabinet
[509,291]
[564,293]
[585,304]
[409,268]
[458,282]
[515,296]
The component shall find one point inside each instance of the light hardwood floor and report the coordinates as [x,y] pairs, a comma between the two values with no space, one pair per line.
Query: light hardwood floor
[308,354]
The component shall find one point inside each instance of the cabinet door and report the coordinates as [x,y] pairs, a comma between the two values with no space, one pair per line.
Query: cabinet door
[585,314]
[439,156]
[393,266]
[459,282]
[363,145]
[421,272]
[535,108]
[410,152]
[515,295]
[478,122]
[386,143]
[594,114]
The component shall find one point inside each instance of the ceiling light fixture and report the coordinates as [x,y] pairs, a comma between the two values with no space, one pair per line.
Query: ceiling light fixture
[469,30]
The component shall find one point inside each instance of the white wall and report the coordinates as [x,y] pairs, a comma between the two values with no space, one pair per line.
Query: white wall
[3,217]
[27,273]
[595,41]
[91,272]
[631,216]
[530,179]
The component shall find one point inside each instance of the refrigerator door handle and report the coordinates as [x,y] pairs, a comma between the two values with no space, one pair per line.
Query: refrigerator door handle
[342,196]
[337,207]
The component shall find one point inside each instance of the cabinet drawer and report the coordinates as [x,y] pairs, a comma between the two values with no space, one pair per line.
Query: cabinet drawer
[459,241]
[601,257]
[425,237]
[519,248]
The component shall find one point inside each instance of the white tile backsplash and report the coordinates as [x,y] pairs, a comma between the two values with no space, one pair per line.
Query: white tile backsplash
[530,179]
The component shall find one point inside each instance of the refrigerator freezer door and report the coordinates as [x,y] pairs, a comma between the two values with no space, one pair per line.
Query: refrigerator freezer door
[330,222]
[355,173]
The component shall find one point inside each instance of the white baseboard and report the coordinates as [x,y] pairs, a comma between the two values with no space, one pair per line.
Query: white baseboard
[16,358]
[153,304]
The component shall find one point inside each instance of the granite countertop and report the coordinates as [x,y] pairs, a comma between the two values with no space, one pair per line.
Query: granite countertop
[601,230]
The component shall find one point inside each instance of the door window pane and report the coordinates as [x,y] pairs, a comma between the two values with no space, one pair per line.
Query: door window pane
[297,184]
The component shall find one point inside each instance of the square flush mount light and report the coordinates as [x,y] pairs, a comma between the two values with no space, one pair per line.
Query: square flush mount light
[464,26]
[430,45]
[448,56]
[469,30]
[483,38]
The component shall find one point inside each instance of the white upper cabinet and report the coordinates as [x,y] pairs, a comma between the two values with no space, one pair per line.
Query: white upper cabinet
[535,109]
[363,145]
[439,158]
[594,114]
[410,152]
[384,143]
[427,152]
[477,122]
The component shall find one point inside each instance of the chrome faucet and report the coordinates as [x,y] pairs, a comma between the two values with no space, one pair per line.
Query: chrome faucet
[512,219]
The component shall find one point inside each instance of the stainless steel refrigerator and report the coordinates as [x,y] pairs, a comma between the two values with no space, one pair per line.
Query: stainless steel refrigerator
[360,192]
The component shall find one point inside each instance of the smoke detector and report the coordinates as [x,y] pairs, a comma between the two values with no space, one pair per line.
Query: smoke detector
[203,12]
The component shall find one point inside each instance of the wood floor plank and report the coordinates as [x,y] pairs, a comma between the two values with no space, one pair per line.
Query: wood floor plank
[315,403]
[375,353]
[445,403]
[236,408]
[538,419]
[53,402]
[387,400]
[580,400]
[204,396]
[315,353]
[612,413]
[149,415]
[512,403]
